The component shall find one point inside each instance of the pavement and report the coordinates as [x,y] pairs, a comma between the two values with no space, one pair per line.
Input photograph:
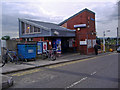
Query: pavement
[31,64]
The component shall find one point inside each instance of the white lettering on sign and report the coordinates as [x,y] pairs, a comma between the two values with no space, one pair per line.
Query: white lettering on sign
[83,43]
[30,51]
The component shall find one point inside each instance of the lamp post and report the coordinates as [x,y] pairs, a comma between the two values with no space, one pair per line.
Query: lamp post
[104,40]
[117,36]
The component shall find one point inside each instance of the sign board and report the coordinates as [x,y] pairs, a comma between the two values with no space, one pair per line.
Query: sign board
[92,19]
[93,42]
[58,42]
[44,46]
[49,43]
[3,43]
[56,32]
[39,47]
[30,50]
[79,25]
[83,43]
[89,45]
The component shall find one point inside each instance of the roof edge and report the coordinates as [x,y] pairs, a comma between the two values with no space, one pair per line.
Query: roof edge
[75,15]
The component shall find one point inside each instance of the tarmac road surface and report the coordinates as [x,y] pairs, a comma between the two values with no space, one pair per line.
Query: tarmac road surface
[96,72]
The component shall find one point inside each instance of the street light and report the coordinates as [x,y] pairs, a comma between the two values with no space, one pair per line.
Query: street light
[104,40]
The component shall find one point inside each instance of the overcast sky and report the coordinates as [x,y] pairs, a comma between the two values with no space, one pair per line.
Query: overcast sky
[56,11]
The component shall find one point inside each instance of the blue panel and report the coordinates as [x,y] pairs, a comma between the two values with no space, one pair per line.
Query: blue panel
[27,51]
[39,47]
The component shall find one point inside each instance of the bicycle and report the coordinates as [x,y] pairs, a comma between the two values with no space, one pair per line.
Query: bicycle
[12,55]
[50,54]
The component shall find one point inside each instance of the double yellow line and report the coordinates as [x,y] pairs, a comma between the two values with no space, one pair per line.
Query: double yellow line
[57,65]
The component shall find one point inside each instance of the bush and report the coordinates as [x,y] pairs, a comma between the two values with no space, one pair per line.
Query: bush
[5,38]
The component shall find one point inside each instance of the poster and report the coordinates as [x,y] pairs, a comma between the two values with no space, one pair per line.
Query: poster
[58,42]
[39,47]
[44,46]
[89,44]
[93,42]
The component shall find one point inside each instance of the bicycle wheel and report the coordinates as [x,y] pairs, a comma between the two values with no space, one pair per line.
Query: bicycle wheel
[4,60]
[53,57]
[21,58]
[15,59]
[3,63]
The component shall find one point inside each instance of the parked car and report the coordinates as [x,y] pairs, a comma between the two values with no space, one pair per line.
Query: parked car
[118,50]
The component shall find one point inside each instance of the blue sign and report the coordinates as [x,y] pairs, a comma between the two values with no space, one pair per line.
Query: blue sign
[58,42]
[39,47]
[92,19]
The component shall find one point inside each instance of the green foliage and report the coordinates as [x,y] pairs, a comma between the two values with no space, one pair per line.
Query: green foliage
[5,38]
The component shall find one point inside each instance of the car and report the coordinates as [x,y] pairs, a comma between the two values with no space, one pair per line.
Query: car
[118,50]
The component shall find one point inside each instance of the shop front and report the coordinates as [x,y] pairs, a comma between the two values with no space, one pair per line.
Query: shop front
[53,35]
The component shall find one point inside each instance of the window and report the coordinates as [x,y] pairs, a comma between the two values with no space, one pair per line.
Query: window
[36,30]
[31,29]
[23,27]
[27,28]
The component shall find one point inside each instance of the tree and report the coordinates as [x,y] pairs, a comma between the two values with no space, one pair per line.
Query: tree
[5,38]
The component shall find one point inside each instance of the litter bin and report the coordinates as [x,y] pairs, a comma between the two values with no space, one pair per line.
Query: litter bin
[27,51]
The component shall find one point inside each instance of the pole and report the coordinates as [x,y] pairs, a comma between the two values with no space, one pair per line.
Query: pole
[103,41]
[87,43]
[117,36]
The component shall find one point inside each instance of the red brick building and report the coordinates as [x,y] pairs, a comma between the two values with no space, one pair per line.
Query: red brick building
[79,32]
[84,23]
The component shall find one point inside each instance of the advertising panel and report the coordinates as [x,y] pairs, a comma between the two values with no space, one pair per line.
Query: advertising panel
[93,42]
[39,47]
[89,44]
[44,46]
[58,42]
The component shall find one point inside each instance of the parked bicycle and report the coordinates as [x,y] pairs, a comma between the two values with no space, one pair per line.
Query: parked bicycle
[50,54]
[11,56]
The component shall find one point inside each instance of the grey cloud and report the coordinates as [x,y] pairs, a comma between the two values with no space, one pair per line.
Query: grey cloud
[105,12]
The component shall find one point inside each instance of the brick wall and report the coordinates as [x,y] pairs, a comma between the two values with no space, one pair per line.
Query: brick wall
[83,33]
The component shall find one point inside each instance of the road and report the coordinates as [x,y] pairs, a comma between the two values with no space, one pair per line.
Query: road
[96,72]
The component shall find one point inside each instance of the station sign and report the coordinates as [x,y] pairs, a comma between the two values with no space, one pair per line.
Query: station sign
[80,26]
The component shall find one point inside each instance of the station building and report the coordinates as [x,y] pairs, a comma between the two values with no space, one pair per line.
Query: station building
[76,32]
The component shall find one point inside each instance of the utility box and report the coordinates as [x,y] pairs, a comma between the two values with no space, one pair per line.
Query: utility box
[27,51]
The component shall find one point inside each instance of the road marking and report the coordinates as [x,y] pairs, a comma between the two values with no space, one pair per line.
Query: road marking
[83,79]
[77,82]
[72,62]
[57,65]
[93,73]
[26,72]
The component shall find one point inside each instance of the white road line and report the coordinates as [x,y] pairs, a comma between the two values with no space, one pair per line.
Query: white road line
[93,73]
[77,82]
[80,81]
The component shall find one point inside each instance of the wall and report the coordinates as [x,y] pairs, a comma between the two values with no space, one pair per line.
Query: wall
[84,33]
[11,44]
